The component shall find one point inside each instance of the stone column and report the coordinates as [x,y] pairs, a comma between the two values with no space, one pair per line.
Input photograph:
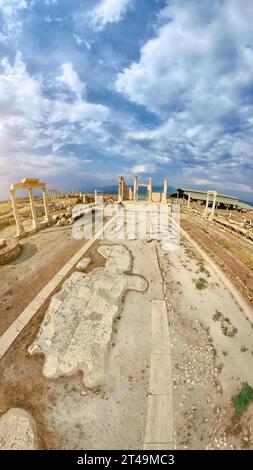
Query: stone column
[165,190]
[135,188]
[35,222]
[189,200]
[120,192]
[150,189]
[214,204]
[206,208]
[45,202]
[20,228]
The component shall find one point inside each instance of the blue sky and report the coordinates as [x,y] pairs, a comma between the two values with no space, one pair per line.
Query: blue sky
[92,89]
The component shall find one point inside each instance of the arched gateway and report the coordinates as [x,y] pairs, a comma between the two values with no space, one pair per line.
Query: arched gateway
[29,184]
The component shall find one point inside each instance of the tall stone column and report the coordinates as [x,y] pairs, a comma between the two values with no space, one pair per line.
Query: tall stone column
[189,200]
[33,210]
[150,189]
[135,188]
[206,208]
[120,189]
[20,228]
[45,202]
[214,204]
[165,190]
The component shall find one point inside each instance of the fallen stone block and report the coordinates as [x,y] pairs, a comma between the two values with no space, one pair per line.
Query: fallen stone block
[83,263]
[17,430]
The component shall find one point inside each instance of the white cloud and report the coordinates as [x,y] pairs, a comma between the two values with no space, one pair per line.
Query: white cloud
[197,56]
[77,111]
[224,185]
[108,11]
[20,94]
[18,89]
[12,25]
[82,42]
[10,6]
[143,168]
[51,2]
[196,74]
[29,124]
[70,78]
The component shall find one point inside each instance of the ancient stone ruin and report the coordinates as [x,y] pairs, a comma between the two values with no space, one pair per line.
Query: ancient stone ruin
[29,184]
[126,193]
[17,430]
[77,329]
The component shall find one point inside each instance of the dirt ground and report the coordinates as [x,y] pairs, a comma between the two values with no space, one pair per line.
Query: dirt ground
[211,340]
[232,253]
[23,384]
[212,353]
[67,414]
[43,255]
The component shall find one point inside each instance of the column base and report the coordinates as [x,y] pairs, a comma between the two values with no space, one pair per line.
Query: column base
[36,226]
[20,231]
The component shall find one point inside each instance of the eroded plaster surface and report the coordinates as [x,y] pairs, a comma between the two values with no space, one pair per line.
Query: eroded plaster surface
[77,328]
[17,430]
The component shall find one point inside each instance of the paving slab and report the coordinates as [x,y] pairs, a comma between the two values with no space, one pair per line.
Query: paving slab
[160,374]
[159,327]
[160,419]
[10,335]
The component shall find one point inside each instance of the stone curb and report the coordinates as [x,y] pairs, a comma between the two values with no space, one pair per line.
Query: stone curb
[159,426]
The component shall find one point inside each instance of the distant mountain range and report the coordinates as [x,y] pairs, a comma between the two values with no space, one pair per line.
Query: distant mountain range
[247,202]
[113,189]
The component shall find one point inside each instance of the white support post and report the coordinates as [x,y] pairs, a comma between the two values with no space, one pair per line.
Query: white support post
[189,200]
[150,189]
[165,190]
[45,202]
[35,222]
[207,202]
[120,189]
[20,228]
[214,204]
[135,188]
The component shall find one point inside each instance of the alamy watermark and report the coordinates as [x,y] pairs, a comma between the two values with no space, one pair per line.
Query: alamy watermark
[140,221]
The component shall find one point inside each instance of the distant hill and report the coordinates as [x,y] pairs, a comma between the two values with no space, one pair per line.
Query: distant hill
[113,189]
[247,202]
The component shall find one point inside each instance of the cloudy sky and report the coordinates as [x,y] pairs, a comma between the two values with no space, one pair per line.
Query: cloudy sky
[93,89]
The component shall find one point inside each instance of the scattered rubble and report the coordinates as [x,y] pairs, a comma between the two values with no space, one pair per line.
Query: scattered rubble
[83,263]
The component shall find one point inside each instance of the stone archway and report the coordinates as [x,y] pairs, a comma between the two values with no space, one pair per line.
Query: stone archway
[29,184]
